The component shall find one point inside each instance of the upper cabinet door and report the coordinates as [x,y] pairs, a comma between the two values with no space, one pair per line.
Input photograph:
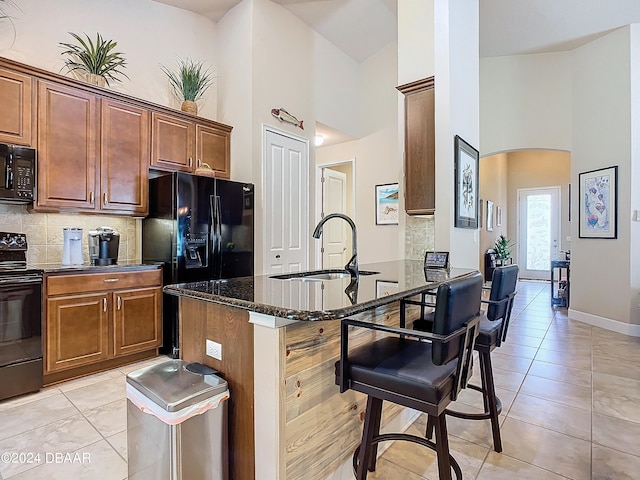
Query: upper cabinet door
[15,98]
[213,148]
[124,158]
[67,126]
[172,143]
[419,146]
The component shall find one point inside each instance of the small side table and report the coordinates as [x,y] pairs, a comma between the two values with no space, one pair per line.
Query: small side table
[559,285]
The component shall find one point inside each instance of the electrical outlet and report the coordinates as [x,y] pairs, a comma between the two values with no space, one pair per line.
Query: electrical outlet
[214,349]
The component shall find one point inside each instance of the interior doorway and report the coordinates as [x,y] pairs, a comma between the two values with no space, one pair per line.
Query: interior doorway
[336,191]
[538,231]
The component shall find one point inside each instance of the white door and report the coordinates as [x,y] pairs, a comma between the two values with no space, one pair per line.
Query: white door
[538,231]
[286,191]
[335,241]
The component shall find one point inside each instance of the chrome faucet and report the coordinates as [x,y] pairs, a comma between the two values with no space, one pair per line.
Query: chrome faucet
[352,264]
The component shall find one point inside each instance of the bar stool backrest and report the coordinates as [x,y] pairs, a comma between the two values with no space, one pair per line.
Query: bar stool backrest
[503,285]
[457,302]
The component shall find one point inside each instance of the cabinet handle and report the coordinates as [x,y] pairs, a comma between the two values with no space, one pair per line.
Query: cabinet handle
[104,304]
[91,197]
[199,164]
[190,162]
[106,200]
[111,280]
[119,302]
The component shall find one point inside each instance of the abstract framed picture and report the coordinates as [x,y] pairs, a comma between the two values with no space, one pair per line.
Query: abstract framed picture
[387,204]
[498,217]
[466,186]
[598,208]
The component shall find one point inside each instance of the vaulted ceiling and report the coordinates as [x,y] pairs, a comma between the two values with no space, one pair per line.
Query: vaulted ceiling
[507,27]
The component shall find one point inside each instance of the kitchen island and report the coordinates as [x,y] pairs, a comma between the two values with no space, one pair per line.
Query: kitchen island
[279,340]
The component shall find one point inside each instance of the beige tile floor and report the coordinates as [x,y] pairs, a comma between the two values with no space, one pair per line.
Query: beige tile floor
[571,405]
[571,396]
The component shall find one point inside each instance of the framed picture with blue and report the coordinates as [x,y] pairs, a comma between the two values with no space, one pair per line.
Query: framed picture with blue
[467,177]
[387,204]
[598,191]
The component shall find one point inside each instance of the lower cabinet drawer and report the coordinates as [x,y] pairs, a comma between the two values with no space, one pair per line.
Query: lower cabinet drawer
[92,282]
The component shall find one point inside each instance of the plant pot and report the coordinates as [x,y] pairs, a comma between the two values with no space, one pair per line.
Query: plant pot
[96,79]
[189,107]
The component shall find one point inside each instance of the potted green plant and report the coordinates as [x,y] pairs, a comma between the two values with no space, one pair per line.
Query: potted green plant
[189,82]
[503,246]
[98,61]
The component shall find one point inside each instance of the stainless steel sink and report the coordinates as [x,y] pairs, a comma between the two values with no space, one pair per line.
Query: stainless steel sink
[319,275]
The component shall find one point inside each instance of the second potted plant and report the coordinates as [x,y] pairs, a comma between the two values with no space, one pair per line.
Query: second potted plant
[189,82]
[502,246]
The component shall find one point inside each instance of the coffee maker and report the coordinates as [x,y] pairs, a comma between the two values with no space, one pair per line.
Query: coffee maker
[103,246]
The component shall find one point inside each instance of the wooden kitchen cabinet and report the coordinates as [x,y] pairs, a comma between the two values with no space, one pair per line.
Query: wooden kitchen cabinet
[90,165]
[135,320]
[67,138]
[213,148]
[124,157]
[179,144]
[77,330]
[172,143]
[16,100]
[95,321]
[419,146]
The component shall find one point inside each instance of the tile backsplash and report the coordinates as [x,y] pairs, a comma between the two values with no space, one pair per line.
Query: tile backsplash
[45,237]
[419,236]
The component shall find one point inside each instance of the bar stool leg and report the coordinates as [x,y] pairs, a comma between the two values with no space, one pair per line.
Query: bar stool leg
[442,448]
[372,418]
[491,400]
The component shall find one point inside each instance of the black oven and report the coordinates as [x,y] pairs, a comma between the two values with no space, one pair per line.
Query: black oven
[21,367]
[17,174]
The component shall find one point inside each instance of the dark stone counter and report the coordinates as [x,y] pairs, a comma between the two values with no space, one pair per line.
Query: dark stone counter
[302,298]
[86,268]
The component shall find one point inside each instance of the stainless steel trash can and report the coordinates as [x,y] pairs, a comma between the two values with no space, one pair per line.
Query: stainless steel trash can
[176,423]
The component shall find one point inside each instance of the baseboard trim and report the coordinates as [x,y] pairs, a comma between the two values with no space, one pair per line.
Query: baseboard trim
[614,325]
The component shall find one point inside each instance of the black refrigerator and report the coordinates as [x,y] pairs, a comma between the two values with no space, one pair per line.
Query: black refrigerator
[201,229]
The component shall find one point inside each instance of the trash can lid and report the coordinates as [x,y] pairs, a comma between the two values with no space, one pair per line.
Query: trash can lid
[171,386]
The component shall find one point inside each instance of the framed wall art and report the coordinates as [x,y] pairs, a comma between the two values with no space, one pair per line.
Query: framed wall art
[489,216]
[387,204]
[466,186]
[598,208]
[498,217]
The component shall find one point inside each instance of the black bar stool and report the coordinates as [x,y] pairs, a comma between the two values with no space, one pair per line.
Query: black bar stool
[492,332]
[421,370]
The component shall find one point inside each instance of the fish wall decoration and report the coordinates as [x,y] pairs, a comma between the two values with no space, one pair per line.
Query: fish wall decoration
[284,116]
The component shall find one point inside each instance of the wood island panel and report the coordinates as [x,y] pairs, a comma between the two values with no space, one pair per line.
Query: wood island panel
[231,328]
[315,428]
[323,427]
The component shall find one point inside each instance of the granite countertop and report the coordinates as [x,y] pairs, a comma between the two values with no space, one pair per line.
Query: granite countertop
[305,299]
[88,268]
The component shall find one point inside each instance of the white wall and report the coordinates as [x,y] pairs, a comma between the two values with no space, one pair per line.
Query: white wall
[634,227]
[525,102]
[376,154]
[146,32]
[235,86]
[457,113]
[602,137]
[336,88]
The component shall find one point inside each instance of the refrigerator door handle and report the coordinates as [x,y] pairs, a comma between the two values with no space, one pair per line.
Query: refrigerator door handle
[216,236]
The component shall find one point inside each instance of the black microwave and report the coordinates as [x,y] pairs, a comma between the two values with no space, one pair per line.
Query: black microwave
[17,174]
